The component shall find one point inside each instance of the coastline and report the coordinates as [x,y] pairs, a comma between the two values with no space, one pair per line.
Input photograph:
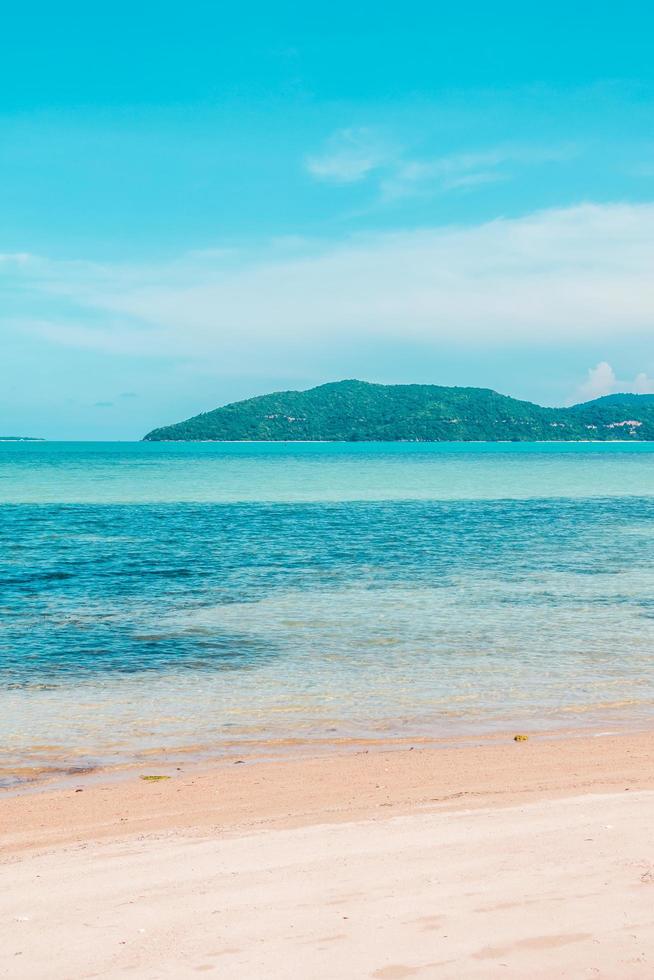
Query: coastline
[392,442]
[496,860]
[356,782]
[20,779]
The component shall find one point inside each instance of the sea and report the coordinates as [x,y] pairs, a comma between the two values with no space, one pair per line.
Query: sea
[172,601]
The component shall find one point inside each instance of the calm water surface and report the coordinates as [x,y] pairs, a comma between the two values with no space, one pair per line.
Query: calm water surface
[169,597]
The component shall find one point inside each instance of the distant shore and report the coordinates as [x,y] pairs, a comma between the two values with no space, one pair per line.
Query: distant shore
[358,411]
[401,442]
[336,442]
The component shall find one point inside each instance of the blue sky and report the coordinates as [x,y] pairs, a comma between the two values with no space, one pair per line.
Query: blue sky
[200,203]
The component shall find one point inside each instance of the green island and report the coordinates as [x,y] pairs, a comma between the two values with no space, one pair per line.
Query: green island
[20,439]
[357,411]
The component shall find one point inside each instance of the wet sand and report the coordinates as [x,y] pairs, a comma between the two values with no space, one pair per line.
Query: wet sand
[505,859]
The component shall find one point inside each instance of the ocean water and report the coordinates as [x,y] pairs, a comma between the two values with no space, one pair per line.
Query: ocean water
[159,601]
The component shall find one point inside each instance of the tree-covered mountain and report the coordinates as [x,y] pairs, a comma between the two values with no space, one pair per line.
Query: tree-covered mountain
[347,411]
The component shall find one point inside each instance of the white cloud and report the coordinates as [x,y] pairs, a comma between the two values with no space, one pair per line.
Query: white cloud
[352,155]
[555,278]
[349,156]
[14,258]
[473,179]
[602,380]
[642,385]
[466,170]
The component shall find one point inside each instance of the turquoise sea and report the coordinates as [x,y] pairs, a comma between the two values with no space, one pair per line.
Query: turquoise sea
[199,598]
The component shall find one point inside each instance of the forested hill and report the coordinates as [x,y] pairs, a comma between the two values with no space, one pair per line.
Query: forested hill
[347,411]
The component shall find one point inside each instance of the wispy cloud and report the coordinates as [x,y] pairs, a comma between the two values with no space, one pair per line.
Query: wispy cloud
[16,259]
[350,155]
[555,278]
[358,154]
[466,170]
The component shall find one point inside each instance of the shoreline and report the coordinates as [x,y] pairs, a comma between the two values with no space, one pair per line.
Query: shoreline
[24,779]
[504,860]
[392,442]
[341,442]
[360,782]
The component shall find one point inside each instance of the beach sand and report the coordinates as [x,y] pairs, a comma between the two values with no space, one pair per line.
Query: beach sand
[504,859]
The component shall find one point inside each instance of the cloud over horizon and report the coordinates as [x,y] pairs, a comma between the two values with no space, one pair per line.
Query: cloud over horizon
[601,380]
[559,277]
[522,305]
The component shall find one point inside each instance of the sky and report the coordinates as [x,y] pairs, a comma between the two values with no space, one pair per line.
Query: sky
[201,202]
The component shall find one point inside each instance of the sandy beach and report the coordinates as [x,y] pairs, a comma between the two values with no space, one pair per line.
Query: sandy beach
[502,859]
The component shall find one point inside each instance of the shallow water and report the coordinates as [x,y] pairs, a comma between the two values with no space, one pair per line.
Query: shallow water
[192,597]
[311,472]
